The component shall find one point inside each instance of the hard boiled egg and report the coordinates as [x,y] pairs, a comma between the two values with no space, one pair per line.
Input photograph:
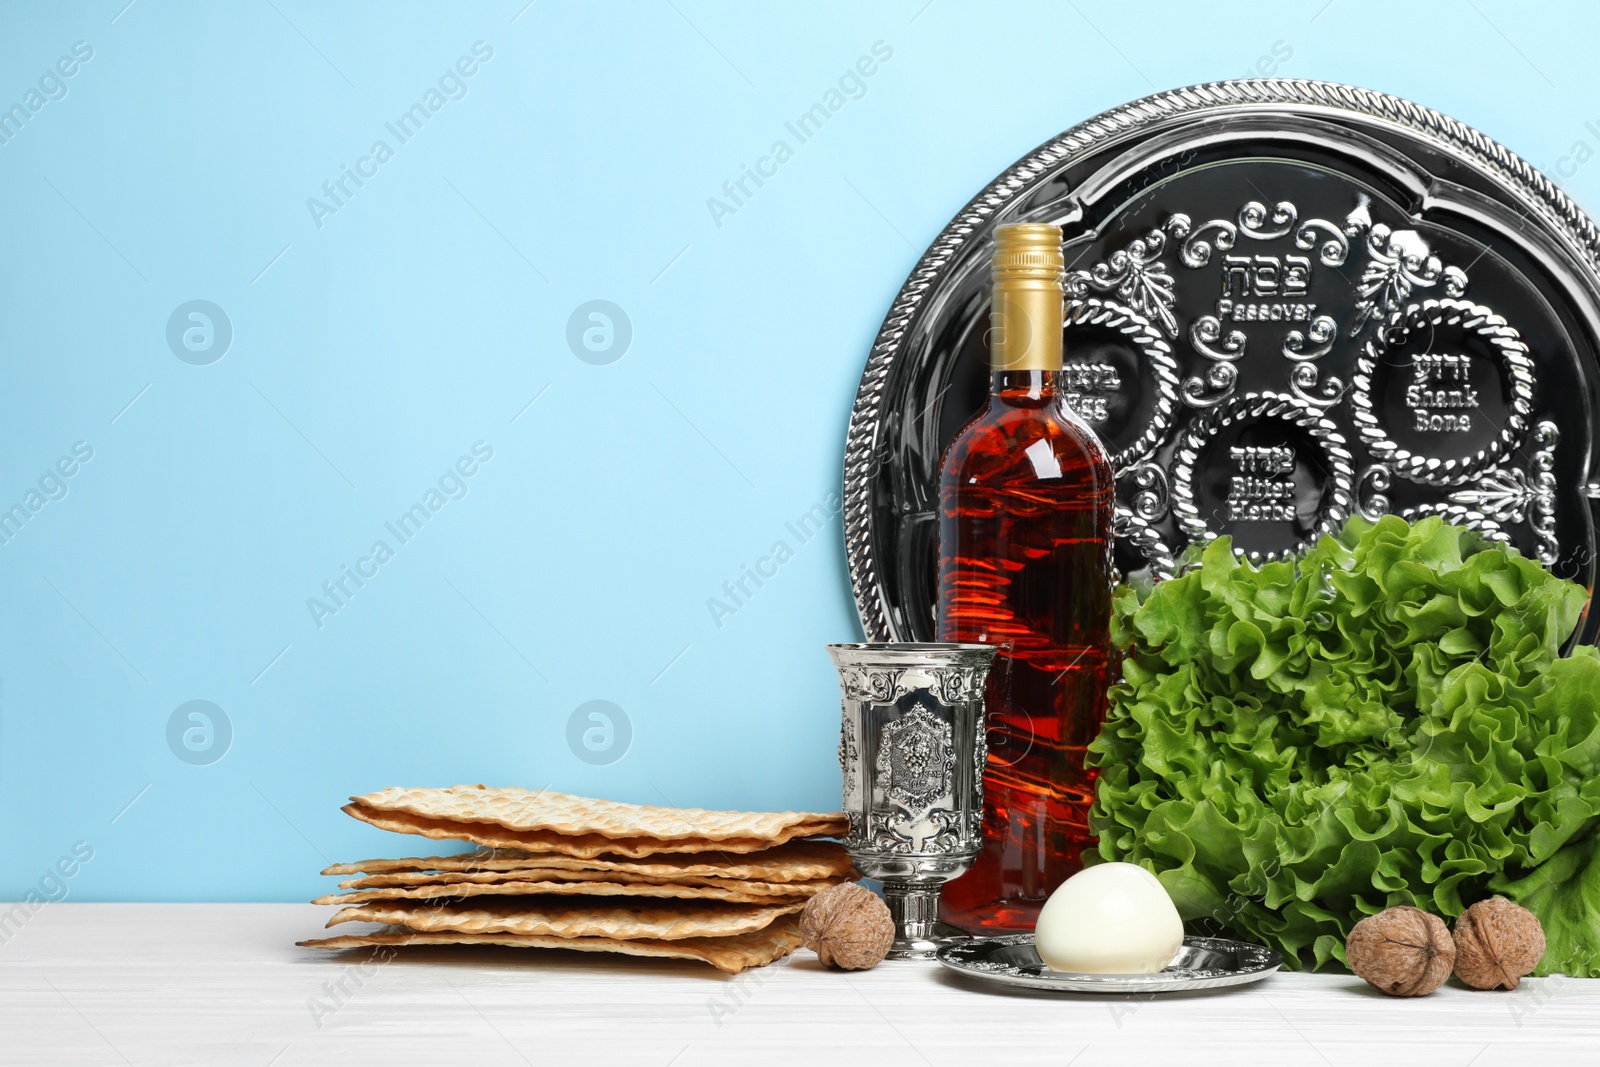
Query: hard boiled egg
[1113,918]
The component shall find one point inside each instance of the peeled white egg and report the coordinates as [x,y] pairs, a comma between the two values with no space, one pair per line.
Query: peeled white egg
[1113,918]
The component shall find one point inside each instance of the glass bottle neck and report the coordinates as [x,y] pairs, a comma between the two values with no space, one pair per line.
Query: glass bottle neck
[1024,387]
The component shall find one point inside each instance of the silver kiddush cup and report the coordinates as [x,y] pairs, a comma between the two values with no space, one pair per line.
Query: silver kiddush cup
[912,748]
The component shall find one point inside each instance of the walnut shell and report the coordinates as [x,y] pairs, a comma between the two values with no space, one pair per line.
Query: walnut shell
[1497,942]
[1403,951]
[847,926]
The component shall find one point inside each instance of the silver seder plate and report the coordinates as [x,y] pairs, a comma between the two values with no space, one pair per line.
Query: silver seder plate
[1202,963]
[1288,302]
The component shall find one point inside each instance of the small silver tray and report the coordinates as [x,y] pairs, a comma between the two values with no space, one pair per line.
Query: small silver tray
[1202,963]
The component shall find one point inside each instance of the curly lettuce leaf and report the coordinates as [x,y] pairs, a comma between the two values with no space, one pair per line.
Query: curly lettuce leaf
[1387,720]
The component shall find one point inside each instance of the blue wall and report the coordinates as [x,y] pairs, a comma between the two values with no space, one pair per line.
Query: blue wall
[381,334]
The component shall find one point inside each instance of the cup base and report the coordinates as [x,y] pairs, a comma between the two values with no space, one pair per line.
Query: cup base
[926,948]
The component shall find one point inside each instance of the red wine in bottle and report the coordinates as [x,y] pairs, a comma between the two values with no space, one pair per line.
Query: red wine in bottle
[1026,499]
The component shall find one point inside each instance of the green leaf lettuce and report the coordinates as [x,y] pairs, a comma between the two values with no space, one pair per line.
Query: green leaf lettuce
[1387,720]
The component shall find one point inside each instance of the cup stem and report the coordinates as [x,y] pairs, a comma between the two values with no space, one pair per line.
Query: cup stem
[914,908]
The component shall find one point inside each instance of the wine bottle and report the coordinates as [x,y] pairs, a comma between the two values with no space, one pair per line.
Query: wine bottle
[1025,506]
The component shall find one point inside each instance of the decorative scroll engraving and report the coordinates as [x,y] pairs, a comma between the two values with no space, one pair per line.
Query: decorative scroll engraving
[980,763]
[878,686]
[884,686]
[1544,492]
[1220,379]
[953,685]
[1374,507]
[1502,495]
[1304,382]
[1137,276]
[933,831]
[1359,221]
[1135,522]
[1334,247]
[1254,221]
[1399,263]
[1205,334]
[1323,332]
[1154,497]
[1196,250]
[849,756]
[1267,288]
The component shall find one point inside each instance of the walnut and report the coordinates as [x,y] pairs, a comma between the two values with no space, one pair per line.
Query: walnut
[1497,942]
[1403,951]
[847,926]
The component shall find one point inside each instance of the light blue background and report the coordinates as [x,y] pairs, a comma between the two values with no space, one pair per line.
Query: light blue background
[368,354]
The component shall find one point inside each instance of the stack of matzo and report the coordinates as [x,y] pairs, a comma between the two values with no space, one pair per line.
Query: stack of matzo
[558,871]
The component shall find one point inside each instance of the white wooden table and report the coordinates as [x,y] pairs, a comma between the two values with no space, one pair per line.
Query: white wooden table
[89,984]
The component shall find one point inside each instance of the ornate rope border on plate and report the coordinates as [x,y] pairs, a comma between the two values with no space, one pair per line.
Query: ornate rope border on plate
[1339,495]
[1513,357]
[1533,188]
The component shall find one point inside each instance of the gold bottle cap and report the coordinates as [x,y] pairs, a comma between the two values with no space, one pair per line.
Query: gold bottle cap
[1025,316]
[1028,250]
